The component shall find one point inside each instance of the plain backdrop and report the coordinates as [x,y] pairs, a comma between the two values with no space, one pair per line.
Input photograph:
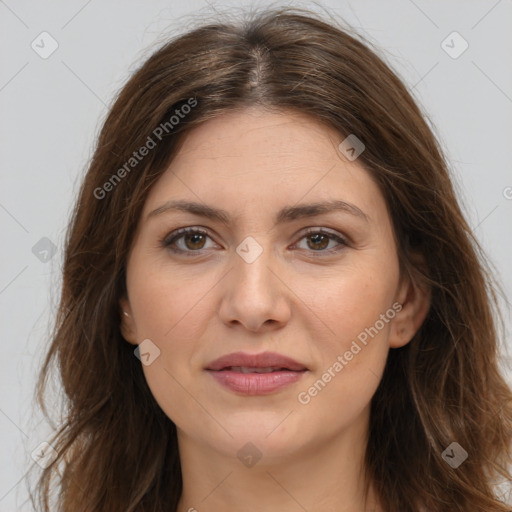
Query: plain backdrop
[53,107]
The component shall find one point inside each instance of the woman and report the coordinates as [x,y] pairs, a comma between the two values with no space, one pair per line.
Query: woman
[271,299]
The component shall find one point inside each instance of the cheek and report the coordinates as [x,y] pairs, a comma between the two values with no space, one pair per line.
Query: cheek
[360,299]
[165,302]
[358,308]
[168,310]
[360,312]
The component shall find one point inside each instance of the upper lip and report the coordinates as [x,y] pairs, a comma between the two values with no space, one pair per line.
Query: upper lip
[261,360]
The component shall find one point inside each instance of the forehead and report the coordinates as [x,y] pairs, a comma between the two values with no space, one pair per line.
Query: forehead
[254,157]
[260,132]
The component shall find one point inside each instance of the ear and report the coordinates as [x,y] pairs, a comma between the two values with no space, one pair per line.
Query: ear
[127,324]
[415,302]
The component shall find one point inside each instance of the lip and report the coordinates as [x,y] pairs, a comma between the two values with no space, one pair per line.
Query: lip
[261,360]
[226,371]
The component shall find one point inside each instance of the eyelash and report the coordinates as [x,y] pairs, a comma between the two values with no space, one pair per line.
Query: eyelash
[171,238]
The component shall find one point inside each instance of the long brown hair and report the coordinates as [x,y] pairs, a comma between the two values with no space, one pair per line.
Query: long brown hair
[117,450]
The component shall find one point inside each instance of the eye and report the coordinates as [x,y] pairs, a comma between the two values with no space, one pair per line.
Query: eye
[317,240]
[193,240]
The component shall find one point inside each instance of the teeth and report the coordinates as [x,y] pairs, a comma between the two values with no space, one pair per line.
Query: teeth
[248,369]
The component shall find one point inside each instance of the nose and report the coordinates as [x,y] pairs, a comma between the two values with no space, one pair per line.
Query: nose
[254,294]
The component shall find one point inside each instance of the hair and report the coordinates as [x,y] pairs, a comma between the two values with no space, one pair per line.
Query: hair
[117,450]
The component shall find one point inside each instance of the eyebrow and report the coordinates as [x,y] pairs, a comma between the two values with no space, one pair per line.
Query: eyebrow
[286,214]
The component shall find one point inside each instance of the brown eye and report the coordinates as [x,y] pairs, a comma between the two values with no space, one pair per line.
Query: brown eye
[318,240]
[186,240]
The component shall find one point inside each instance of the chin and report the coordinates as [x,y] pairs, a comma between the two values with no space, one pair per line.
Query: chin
[271,433]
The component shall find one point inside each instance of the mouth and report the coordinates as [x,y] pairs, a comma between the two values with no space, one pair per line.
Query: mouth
[255,374]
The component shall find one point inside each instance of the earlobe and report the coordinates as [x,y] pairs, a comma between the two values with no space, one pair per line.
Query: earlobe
[127,326]
[415,301]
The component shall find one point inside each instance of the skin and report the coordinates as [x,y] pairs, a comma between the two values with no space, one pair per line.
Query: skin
[297,299]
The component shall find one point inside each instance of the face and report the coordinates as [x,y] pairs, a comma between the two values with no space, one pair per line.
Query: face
[267,274]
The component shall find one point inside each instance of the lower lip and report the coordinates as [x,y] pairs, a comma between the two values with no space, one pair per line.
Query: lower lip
[255,383]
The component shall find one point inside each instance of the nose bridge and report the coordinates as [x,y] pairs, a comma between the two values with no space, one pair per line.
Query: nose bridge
[253,263]
[253,294]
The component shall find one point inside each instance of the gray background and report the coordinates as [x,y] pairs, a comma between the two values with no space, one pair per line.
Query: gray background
[52,109]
